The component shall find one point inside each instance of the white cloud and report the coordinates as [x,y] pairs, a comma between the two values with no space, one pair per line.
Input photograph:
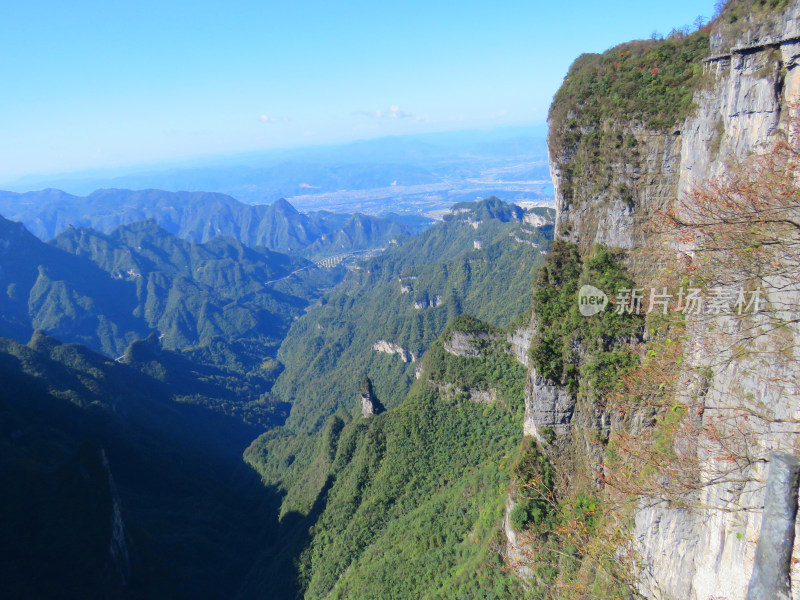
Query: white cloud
[393,112]
[268,119]
[499,114]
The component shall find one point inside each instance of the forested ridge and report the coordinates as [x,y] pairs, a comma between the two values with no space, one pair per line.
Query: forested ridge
[147,438]
[405,297]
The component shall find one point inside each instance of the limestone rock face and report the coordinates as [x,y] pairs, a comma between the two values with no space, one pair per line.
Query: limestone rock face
[609,219]
[754,78]
[367,406]
[533,219]
[369,403]
[465,344]
[549,408]
[710,552]
[515,548]
[520,341]
[390,348]
[428,302]
[450,391]
[753,85]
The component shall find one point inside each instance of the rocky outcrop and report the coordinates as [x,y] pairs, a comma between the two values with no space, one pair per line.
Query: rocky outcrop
[428,302]
[451,391]
[610,217]
[406,287]
[520,341]
[531,218]
[549,408]
[515,552]
[519,240]
[715,534]
[466,344]
[369,403]
[390,348]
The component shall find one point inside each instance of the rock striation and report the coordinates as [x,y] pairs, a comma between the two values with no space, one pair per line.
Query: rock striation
[549,408]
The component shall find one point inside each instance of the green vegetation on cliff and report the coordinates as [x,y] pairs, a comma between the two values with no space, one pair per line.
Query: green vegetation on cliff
[569,347]
[405,297]
[410,502]
[611,103]
[650,82]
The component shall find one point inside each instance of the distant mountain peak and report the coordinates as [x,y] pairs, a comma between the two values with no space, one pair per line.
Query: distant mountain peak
[283,205]
[13,230]
[199,217]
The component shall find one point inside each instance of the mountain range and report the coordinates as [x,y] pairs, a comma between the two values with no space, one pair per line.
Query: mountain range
[201,216]
[191,408]
[142,365]
[224,304]
[456,159]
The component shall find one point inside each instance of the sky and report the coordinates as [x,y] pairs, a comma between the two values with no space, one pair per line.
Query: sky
[94,84]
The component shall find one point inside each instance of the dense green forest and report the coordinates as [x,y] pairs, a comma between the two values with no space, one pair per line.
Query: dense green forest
[405,297]
[416,501]
[409,503]
[213,308]
[133,458]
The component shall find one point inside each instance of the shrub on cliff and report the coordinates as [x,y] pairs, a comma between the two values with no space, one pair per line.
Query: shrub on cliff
[564,337]
[645,81]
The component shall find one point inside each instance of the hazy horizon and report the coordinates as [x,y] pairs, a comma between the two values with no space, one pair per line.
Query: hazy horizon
[100,86]
[260,157]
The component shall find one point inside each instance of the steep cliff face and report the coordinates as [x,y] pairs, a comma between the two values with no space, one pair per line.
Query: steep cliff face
[613,170]
[613,173]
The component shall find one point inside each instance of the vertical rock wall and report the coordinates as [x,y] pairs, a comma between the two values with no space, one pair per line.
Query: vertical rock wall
[753,81]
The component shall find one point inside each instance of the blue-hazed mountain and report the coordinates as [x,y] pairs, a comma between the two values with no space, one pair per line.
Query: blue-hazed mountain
[44,287]
[284,177]
[107,290]
[201,216]
[454,162]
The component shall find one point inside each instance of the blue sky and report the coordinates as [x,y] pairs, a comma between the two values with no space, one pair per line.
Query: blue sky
[90,84]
